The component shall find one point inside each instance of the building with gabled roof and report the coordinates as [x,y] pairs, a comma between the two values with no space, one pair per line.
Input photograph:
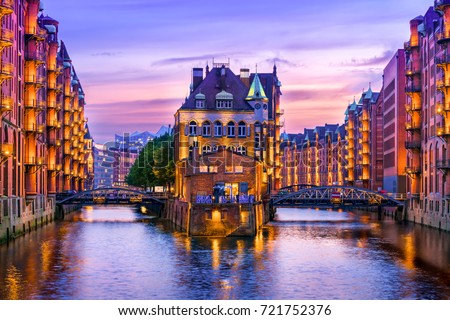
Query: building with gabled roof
[361,137]
[240,113]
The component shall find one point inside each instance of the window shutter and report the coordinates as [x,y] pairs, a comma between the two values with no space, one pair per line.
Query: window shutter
[248,131]
[199,131]
[224,131]
[186,130]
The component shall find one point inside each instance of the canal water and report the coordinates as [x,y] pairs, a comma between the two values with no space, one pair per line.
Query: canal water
[117,253]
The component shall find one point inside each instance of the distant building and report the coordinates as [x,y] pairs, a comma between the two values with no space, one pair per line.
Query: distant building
[394,117]
[314,157]
[104,161]
[363,130]
[134,141]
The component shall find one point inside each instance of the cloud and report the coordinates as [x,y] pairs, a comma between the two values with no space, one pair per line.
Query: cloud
[106,54]
[105,119]
[366,62]
[281,61]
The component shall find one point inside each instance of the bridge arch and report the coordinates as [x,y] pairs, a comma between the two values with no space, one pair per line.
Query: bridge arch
[89,195]
[342,196]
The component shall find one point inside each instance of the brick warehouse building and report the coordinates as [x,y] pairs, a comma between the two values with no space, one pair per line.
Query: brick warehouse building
[43,128]
[236,119]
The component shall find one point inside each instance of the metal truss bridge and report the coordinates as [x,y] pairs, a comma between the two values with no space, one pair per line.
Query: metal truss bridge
[331,197]
[109,196]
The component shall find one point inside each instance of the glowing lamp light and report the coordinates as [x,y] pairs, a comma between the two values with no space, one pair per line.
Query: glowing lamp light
[6,149]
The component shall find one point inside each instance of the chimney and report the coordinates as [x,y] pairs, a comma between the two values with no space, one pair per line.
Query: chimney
[197,77]
[245,77]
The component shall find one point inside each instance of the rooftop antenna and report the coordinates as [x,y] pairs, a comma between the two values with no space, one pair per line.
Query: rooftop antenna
[370,83]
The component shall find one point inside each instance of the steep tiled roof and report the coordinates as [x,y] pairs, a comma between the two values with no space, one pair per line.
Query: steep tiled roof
[215,83]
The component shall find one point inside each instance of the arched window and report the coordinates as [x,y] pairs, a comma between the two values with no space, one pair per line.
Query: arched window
[242,132]
[217,129]
[206,129]
[233,148]
[231,129]
[192,128]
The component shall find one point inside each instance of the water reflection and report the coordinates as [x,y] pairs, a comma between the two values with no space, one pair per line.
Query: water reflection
[116,253]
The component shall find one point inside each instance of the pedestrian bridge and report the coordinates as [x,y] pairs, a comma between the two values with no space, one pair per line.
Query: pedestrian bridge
[109,196]
[331,197]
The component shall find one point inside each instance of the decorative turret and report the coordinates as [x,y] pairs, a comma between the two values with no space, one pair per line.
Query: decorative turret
[256,91]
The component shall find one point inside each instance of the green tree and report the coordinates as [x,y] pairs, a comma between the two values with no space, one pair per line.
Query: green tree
[155,165]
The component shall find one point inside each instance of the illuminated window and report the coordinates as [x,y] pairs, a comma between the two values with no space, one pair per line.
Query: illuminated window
[206,149]
[242,129]
[242,150]
[192,128]
[217,129]
[206,128]
[231,129]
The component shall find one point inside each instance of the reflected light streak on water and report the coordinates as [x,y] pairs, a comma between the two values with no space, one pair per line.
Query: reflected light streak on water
[116,253]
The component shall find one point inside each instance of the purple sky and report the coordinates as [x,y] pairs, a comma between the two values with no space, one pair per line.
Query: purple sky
[134,57]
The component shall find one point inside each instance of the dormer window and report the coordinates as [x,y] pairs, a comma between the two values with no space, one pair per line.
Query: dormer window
[200,100]
[199,104]
[224,100]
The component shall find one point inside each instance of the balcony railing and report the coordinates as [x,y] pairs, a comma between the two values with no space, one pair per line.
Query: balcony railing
[54,86]
[68,136]
[34,161]
[36,56]
[35,128]
[412,170]
[34,104]
[6,70]
[443,36]
[442,131]
[54,167]
[413,107]
[410,145]
[54,142]
[6,104]
[413,88]
[7,6]
[442,108]
[6,37]
[443,165]
[411,71]
[412,126]
[54,105]
[408,45]
[443,60]
[55,124]
[442,84]
[35,80]
[36,32]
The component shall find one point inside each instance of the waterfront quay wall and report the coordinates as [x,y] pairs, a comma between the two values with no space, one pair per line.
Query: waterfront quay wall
[216,220]
[434,214]
[19,216]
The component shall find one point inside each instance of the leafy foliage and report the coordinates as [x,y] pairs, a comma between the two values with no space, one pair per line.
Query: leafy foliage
[155,165]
